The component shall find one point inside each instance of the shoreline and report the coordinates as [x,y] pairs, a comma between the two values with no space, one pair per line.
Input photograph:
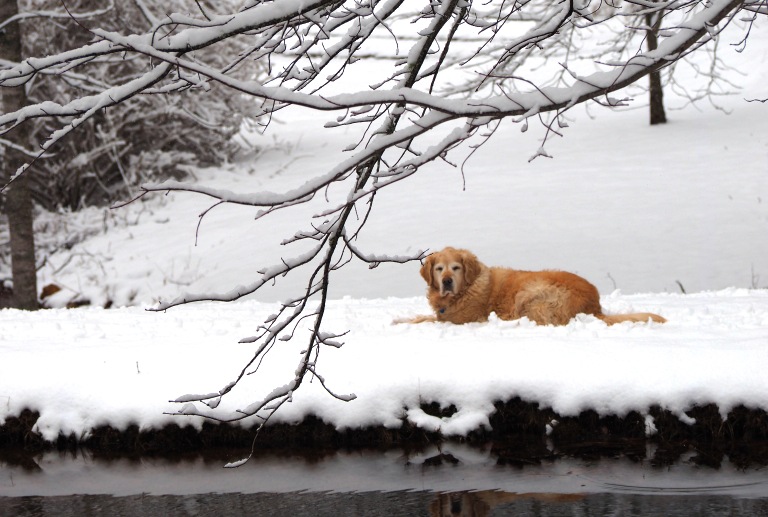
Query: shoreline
[521,433]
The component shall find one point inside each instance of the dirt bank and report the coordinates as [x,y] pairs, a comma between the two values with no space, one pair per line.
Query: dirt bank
[522,433]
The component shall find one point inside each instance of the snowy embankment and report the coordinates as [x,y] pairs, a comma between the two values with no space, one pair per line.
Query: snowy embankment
[91,367]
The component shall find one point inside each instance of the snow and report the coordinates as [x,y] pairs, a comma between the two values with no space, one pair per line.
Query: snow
[630,207]
[89,367]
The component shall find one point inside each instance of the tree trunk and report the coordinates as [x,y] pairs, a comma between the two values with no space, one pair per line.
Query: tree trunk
[658,116]
[18,202]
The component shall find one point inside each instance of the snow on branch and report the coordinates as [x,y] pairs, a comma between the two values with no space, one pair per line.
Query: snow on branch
[267,275]
[64,15]
[756,6]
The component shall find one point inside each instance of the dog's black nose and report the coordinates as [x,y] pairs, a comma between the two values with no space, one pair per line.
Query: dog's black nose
[447,282]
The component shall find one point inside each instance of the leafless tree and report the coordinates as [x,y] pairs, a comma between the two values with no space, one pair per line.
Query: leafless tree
[115,150]
[613,32]
[705,79]
[17,204]
[441,83]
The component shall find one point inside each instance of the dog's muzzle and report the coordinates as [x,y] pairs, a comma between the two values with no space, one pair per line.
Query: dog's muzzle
[447,285]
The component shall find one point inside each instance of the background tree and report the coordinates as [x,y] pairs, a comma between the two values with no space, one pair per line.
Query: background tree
[655,89]
[17,202]
[115,150]
[439,96]
[685,77]
[610,32]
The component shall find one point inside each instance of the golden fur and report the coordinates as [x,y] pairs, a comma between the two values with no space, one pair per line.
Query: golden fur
[462,290]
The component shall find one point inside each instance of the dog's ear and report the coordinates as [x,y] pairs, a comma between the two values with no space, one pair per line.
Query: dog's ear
[426,270]
[472,266]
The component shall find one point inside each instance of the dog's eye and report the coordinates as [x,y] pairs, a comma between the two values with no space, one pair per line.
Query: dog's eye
[438,268]
[456,268]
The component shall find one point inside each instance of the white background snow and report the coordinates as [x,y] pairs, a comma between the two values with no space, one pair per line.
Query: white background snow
[635,209]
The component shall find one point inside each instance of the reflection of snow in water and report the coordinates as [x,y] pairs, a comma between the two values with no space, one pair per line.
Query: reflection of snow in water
[476,470]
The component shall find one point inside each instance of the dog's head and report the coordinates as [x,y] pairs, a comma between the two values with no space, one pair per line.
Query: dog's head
[450,271]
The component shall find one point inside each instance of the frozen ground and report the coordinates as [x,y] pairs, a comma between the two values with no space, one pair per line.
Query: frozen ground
[89,367]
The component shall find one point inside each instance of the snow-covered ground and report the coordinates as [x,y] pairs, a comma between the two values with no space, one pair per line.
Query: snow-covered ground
[630,207]
[91,366]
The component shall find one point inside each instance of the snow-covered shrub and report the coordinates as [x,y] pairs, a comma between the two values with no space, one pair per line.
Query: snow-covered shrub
[150,136]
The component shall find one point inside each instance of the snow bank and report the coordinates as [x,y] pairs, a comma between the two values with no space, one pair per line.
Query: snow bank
[87,367]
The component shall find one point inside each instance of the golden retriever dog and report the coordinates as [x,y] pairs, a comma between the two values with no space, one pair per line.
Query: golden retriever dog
[462,290]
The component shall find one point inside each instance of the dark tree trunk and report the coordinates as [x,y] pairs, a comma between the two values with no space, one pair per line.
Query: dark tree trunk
[658,116]
[18,202]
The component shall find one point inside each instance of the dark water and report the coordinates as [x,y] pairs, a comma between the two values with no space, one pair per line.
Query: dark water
[427,504]
[457,480]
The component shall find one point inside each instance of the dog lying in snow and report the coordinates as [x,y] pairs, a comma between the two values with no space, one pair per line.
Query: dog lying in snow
[462,290]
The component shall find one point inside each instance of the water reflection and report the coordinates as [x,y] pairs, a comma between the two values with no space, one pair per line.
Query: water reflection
[484,502]
[453,481]
[428,504]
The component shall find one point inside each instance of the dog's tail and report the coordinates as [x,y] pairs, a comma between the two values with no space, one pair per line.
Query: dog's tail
[640,317]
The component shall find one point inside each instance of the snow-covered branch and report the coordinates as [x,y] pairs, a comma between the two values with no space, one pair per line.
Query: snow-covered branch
[528,103]
[63,15]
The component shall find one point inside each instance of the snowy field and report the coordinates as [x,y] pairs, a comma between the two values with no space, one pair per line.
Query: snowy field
[634,209]
[89,367]
[624,204]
